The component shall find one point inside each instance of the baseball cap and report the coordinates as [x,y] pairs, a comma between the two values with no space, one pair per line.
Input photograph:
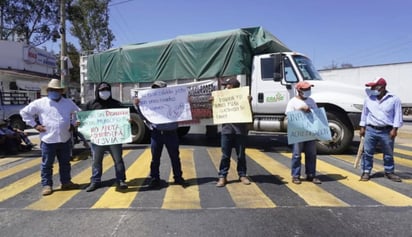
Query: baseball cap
[104,86]
[232,81]
[159,84]
[303,85]
[379,81]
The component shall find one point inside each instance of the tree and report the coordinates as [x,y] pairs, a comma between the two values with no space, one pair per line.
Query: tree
[90,24]
[74,56]
[30,21]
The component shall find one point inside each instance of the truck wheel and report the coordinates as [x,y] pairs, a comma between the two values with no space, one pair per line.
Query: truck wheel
[139,131]
[342,135]
[17,122]
[183,131]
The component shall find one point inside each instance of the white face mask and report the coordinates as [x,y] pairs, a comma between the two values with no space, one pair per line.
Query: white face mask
[104,95]
[306,94]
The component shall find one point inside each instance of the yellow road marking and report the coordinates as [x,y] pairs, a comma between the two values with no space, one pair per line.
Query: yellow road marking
[244,196]
[59,197]
[311,193]
[176,196]
[370,189]
[21,185]
[122,199]
[20,167]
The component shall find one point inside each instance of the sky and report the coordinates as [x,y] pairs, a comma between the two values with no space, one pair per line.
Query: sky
[362,32]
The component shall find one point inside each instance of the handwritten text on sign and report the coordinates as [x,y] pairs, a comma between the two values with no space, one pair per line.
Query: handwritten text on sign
[231,106]
[303,126]
[165,105]
[106,127]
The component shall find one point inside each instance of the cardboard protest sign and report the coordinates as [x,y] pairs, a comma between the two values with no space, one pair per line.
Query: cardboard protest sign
[165,105]
[105,126]
[231,106]
[303,126]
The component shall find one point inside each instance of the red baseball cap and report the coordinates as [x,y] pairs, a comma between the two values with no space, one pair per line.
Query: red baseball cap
[303,85]
[379,81]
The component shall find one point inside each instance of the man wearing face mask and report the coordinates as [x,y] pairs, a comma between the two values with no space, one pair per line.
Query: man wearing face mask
[302,101]
[53,117]
[103,100]
[381,117]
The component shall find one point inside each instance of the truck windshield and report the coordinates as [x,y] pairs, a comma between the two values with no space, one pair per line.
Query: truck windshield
[306,68]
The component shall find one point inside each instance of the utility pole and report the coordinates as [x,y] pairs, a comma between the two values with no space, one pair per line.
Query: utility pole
[64,70]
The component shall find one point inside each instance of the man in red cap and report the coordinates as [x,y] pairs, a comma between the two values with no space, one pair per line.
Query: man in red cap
[302,101]
[380,120]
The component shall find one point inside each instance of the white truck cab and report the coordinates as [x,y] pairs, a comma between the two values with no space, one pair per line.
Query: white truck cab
[272,86]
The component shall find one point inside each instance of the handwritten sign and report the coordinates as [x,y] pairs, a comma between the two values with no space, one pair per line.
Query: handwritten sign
[304,126]
[165,105]
[106,126]
[231,106]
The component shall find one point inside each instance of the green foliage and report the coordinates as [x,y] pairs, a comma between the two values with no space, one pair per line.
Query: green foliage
[90,24]
[31,21]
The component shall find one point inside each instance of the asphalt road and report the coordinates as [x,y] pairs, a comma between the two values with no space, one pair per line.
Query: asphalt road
[271,206]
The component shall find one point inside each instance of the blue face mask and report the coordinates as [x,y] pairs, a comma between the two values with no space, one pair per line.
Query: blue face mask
[371,92]
[54,95]
[306,94]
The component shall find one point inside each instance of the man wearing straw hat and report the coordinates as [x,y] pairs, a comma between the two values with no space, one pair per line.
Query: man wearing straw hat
[53,117]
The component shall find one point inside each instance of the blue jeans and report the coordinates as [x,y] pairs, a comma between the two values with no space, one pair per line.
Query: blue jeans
[49,152]
[98,154]
[228,141]
[372,137]
[171,140]
[309,148]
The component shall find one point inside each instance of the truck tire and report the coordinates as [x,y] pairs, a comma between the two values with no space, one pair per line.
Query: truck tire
[17,122]
[342,135]
[183,131]
[140,133]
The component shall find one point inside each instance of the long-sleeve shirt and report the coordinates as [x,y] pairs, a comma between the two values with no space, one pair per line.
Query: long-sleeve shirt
[384,112]
[57,117]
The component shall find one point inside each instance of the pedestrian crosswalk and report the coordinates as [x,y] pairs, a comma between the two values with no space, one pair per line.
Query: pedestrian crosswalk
[269,171]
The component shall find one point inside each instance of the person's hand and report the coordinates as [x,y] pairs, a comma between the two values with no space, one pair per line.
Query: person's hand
[136,101]
[40,128]
[362,132]
[211,99]
[305,108]
[393,133]
[77,124]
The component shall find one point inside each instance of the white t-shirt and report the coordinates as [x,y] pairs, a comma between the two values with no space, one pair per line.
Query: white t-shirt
[296,104]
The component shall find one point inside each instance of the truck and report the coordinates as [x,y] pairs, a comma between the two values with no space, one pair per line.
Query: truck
[252,55]
[11,102]
[395,74]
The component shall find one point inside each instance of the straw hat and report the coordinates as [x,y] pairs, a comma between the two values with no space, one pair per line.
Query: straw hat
[55,84]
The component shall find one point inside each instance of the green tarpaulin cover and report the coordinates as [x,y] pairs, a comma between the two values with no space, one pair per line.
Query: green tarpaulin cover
[200,56]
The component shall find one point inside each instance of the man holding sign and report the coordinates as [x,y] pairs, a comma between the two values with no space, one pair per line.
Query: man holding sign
[163,132]
[232,135]
[302,101]
[103,100]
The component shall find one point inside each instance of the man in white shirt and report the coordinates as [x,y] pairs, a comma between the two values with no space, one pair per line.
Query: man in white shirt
[53,117]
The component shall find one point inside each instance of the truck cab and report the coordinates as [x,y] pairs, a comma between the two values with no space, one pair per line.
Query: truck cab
[272,86]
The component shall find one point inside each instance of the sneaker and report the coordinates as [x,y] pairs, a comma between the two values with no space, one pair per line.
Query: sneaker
[181,181]
[393,177]
[313,179]
[221,182]
[122,185]
[244,180]
[365,177]
[154,183]
[296,180]
[92,187]
[69,186]
[47,190]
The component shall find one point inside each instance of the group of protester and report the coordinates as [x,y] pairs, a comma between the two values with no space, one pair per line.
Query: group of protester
[381,117]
